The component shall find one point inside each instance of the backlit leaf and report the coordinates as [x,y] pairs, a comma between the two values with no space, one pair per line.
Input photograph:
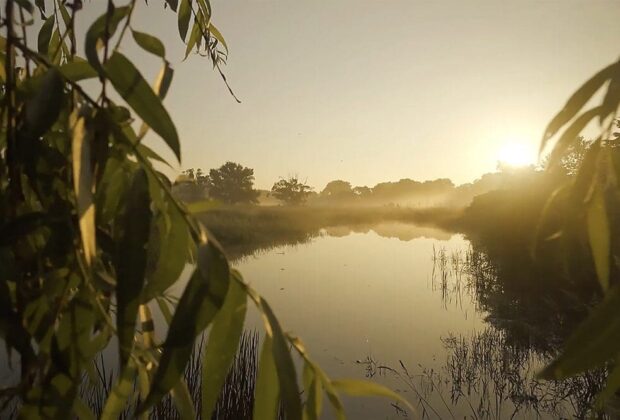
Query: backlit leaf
[222,345]
[285,367]
[571,134]
[149,43]
[201,300]
[183,401]
[577,102]
[83,186]
[121,392]
[267,387]
[130,84]
[218,35]
[77,70]
[599,236]
[193,38]
[45,34]
[359,388]
[595,341]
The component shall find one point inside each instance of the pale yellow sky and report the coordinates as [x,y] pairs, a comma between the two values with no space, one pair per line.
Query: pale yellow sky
[377,90]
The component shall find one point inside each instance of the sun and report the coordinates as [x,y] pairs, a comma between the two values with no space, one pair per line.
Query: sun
[516,154]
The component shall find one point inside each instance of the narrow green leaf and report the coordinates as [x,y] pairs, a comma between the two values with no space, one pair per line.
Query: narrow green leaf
[131,261]
[83,186]
[193,38]
[185,12]
[218,35]
[77,70]
[171,256]
[577,102]
[201,300]
[183,401]
[314,391]
[130,84]
[599,236]
[267,388]
[285,366]
[359,388]
[121,392]
[45,34]
[332,395]
[594,342]
[149,43]
[162,83]
[222,345]
[97,31]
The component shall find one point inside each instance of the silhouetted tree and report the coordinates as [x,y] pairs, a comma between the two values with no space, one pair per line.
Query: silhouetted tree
[291,191]
[338,190]
[232,183]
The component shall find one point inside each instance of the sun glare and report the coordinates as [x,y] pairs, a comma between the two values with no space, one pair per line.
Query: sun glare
[515,154]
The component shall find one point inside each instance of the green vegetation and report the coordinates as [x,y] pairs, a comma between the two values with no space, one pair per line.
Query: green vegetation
[91,236]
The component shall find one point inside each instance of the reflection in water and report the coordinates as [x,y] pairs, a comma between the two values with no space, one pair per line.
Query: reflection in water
[448,334]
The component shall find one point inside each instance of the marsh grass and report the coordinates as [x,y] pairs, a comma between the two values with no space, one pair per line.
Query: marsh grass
[236,400]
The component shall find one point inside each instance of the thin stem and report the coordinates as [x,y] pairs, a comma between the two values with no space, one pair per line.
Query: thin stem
[126,25]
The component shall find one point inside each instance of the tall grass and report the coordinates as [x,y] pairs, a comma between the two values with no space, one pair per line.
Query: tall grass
[236,400]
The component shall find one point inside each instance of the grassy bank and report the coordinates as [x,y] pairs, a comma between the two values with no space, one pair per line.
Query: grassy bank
[245,229]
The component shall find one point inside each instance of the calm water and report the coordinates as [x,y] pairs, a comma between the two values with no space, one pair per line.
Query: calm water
[356,297]
[399,296]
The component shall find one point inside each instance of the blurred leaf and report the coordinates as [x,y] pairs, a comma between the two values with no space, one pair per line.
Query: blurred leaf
[77,70]
[222,345]
[97,31]
[45,34]
[599,236]
[149,43]
[611,386]
[82,410]
[332,395]
[594,341]
[267,388]
[577,101]
[83,186]
[40,4]
[185,12]
[173,4]
[26,5]
[358,388]
[183,401]
[121,392]
[201,300]
[285,366]
[571,134]
[131,261]
[314,392]
[165,310]
[130,84]
[39,114]
[20,226]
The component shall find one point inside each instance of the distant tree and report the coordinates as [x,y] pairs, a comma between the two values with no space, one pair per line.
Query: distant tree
[232,183]
[362,192]
[338,190]
[291,191]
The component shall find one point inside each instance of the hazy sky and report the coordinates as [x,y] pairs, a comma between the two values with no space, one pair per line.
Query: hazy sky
[376,90]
